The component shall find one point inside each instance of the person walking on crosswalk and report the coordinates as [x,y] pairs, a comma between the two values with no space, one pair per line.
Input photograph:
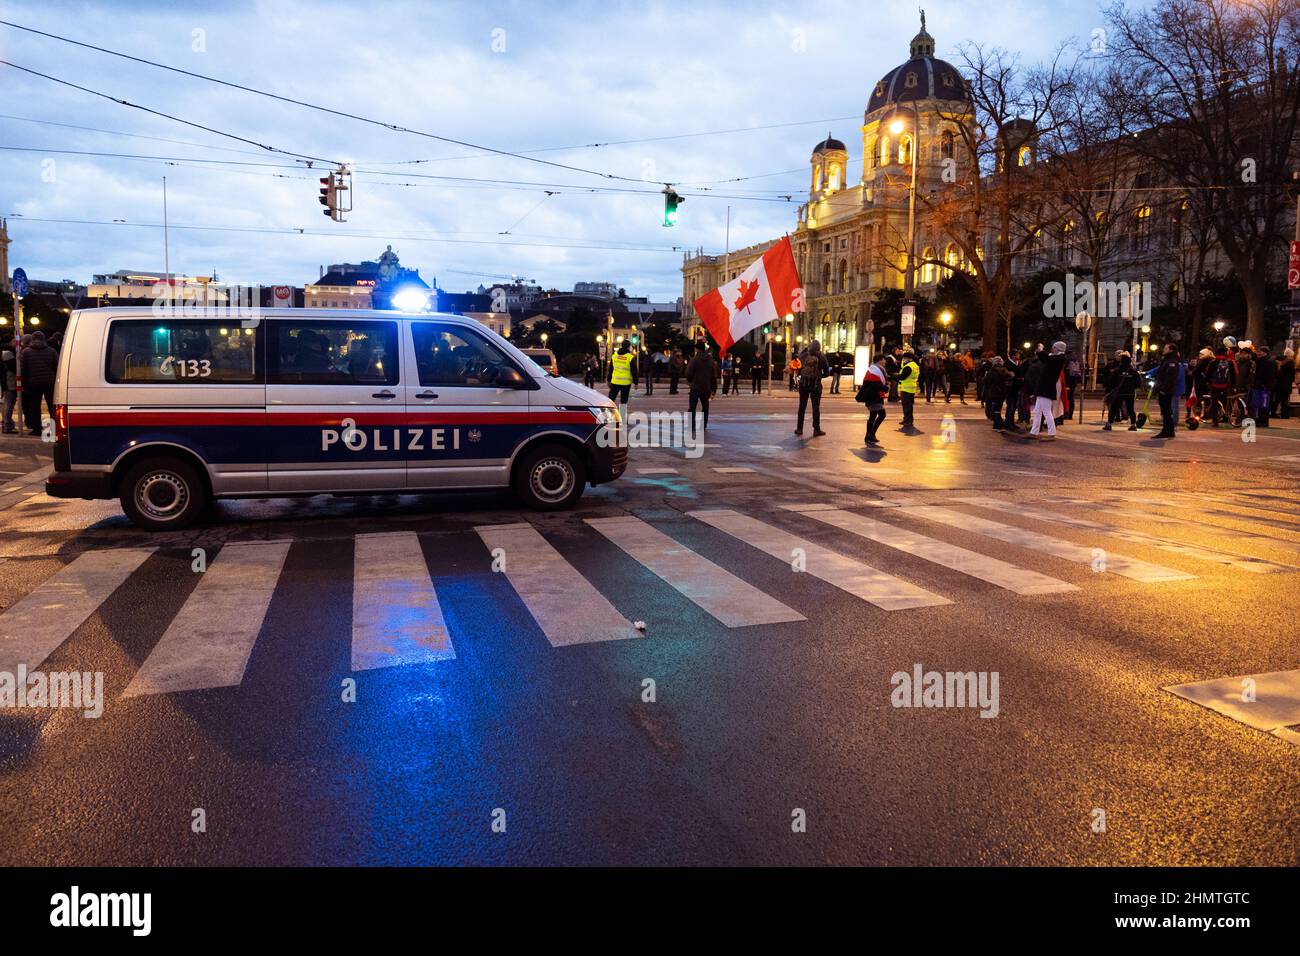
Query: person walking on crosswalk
[1045,390]
[622,375]
[998,382]
[813,367]
[909,374]
[872,393]
[701,380]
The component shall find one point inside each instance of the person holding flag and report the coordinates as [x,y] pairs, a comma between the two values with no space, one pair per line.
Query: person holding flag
[872,392]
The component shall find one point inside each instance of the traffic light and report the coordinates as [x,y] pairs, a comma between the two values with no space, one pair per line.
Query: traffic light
[671,202]
[335,193]
[327,195]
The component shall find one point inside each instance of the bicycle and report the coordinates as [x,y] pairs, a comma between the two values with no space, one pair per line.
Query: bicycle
[1202,410]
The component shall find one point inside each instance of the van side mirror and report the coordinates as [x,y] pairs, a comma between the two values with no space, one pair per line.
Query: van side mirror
[509,377]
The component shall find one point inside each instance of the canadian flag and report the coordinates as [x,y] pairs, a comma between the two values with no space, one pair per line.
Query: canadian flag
[767,291]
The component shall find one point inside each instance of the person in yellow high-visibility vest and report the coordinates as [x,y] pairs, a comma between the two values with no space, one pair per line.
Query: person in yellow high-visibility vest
[622,375]
[909,374]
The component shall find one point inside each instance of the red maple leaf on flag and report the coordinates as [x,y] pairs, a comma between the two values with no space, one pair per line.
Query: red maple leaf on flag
[748,293]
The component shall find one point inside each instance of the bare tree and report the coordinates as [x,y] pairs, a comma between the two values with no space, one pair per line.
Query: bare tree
[1216,84]
[997,208]
[1084,151]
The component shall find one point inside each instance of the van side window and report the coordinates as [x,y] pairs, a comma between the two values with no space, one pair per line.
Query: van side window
[162,352]
[450,355]
[318,352]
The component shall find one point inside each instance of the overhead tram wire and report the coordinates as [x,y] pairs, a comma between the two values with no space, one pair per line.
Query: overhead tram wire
[177,119]
[200,162]
[117,132]
[438,159]
[595,245]
[515,154]
[313,106]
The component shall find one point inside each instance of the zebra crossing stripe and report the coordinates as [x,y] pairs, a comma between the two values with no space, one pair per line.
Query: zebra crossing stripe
[1267,702]
[1259,535]
[35,626]
[732,601]
[565,605]
[209,641]
[396,618]
[1056,547]
[1242,562]
[972,563]
[861,580]
[736,470]
[657,471]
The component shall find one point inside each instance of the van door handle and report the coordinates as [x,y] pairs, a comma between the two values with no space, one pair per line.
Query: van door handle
[426,395]
[383,394]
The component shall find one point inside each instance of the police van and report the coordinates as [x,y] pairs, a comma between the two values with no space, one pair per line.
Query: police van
[167,414]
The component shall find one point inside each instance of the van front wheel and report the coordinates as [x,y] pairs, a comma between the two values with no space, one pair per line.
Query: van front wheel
[163,494]
[550,478]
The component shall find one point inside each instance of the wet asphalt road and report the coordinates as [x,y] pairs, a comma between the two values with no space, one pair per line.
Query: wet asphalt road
[750,724]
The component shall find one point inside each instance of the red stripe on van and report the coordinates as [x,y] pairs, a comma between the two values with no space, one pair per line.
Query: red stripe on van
[272,418]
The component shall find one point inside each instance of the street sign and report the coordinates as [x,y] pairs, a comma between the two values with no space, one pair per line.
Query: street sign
[282,296]
[1293,267]
[20,283]
[909,319]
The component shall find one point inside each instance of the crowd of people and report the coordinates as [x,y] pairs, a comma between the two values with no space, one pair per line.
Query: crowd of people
[38,360]
[1016,389]
[1039,390]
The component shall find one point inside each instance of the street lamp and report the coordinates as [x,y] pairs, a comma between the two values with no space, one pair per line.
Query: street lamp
[1029,345]
[544,338]
[945,317]
[897,127]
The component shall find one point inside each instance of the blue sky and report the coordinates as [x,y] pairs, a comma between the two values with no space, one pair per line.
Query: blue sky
[513,76]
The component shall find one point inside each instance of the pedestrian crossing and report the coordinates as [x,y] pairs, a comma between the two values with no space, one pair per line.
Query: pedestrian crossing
[398,616]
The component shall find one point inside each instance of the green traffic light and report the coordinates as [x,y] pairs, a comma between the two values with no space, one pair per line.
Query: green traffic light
[671,202]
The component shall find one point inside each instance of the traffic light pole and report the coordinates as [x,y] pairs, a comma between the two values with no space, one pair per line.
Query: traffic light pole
[18,356]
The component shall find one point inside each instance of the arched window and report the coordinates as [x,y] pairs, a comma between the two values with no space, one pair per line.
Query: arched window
[826,279]
[834,178]
[873,153]
[1025,157]
[929,271]
[946,144]
[1141,228]
[905,149]
[841,332]
[817,179]
[885,158]
[1066,237]
[844,275]
[952,257]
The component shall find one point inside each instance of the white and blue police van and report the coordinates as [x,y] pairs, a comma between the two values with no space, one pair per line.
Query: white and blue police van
[168,414]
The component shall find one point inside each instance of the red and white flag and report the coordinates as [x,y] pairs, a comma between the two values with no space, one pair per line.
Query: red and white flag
[767,291]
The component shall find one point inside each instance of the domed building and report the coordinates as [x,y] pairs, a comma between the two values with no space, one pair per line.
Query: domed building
[849,237]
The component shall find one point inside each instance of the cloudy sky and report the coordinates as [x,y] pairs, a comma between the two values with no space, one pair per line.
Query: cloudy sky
[549,79]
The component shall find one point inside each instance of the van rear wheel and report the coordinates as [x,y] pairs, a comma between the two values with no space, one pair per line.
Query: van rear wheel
[163,494]
[550,478]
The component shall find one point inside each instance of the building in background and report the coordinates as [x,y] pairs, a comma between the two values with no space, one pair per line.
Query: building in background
[364,285]
[850,238]
[126,287]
